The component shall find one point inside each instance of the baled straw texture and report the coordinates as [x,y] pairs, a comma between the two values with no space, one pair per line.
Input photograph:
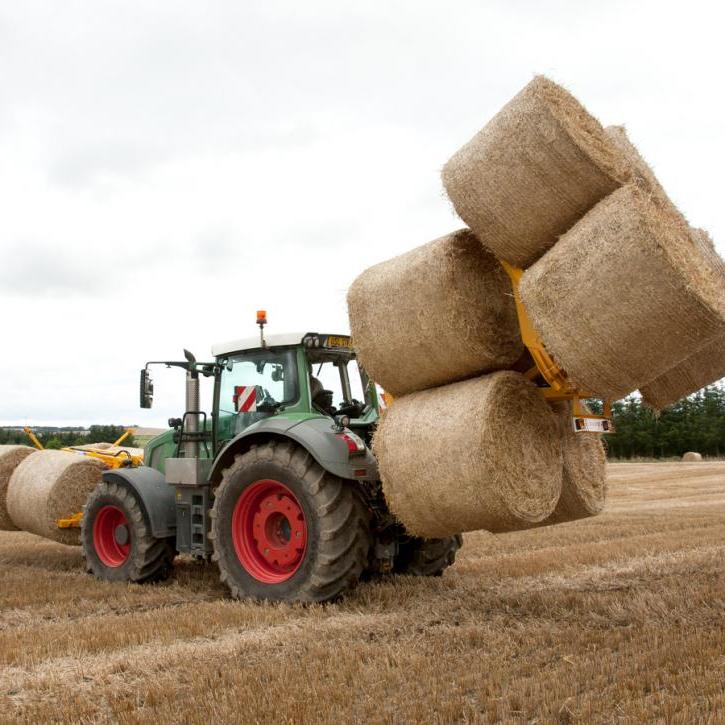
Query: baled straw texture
[625,295]
[10,459]
[642,173]
[692,457]
[478,454]
[439,313]
[584,485]
[51,485]
[534,170]
[705,366]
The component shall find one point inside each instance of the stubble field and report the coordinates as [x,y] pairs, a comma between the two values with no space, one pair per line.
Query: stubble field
[620,618]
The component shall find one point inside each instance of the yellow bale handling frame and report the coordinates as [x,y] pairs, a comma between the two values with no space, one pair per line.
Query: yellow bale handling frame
[559,387]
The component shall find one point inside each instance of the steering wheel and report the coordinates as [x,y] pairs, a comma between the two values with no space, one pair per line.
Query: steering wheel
[353,409]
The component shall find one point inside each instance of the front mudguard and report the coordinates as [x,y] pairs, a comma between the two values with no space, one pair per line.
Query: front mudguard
[316,435]
[157,498]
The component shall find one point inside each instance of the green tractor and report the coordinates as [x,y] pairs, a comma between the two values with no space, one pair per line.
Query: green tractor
[278,485]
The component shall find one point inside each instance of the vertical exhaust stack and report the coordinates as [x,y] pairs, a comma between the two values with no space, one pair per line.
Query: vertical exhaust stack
[191,447]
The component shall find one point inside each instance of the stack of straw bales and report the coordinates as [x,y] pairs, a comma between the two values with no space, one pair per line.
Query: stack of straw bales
[623,292]
[10,458]
[617,284]
[51,485]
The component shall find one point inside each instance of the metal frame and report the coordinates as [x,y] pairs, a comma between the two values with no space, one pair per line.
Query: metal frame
[560,387]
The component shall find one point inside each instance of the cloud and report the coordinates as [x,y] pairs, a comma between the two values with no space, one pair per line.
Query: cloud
[39,270]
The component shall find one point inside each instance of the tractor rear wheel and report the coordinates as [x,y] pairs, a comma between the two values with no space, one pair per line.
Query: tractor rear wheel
[117,540]
[284,529]
[427,557]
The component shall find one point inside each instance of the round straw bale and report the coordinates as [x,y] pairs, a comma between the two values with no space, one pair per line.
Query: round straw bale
[692,457]
[584,486]
[706,366]
[478,454]
[439,313]
[625,295]
[642,173]
[10,459]
[537,167]
[703,367]
[51,485]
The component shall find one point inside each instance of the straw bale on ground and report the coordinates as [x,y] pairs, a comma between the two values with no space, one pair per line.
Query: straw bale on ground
[50,485]
[533,171]
[478,454]
[625,295]
[439,313]
[692,457]
[10,459]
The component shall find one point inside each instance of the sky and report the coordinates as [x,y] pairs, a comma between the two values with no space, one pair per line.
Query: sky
[167,168]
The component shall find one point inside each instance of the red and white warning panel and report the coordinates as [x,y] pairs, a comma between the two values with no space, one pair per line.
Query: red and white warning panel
[245,398]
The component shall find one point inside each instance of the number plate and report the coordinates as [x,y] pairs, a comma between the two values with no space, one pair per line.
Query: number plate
[592,425]
[338,341]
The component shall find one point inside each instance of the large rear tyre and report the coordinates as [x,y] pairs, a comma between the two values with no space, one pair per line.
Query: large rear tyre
[284,529]
[427,557]
[117,540]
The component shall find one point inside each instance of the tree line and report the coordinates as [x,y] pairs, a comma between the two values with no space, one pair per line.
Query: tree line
[696,423]
[55,439]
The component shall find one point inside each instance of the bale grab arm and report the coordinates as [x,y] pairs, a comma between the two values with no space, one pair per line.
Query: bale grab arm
[559,386]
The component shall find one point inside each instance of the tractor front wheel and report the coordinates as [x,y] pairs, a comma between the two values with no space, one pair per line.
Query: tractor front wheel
[286,530]
[117,540]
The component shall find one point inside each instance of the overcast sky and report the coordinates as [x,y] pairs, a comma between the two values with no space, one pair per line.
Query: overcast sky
[167,168]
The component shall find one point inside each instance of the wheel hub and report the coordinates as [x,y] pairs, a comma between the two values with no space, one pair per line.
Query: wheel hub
[111,536]
[269,531]
[121,535]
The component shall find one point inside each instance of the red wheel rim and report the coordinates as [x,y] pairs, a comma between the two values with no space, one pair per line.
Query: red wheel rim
[269,531]
[111,536]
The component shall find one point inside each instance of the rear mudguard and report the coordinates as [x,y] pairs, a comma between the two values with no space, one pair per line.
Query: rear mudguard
[157,498]
[316,435]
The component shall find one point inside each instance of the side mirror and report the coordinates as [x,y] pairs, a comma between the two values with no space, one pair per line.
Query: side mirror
[147,389]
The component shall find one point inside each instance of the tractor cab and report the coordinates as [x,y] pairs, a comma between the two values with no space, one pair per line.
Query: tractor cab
[302,375]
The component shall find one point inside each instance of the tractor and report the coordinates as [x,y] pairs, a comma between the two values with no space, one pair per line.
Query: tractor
[278,485]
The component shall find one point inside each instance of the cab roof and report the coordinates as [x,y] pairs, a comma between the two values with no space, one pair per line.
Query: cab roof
[253,343]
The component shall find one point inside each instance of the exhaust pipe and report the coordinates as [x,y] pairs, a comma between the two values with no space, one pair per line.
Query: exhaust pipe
[191,448]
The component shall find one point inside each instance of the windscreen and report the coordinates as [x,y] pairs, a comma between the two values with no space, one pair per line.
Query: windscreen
[271,373]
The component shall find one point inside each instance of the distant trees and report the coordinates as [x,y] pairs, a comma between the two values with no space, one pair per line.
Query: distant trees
[55,438]
[696,423]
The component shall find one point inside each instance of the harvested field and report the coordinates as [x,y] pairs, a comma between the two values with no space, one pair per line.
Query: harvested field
[617,617]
